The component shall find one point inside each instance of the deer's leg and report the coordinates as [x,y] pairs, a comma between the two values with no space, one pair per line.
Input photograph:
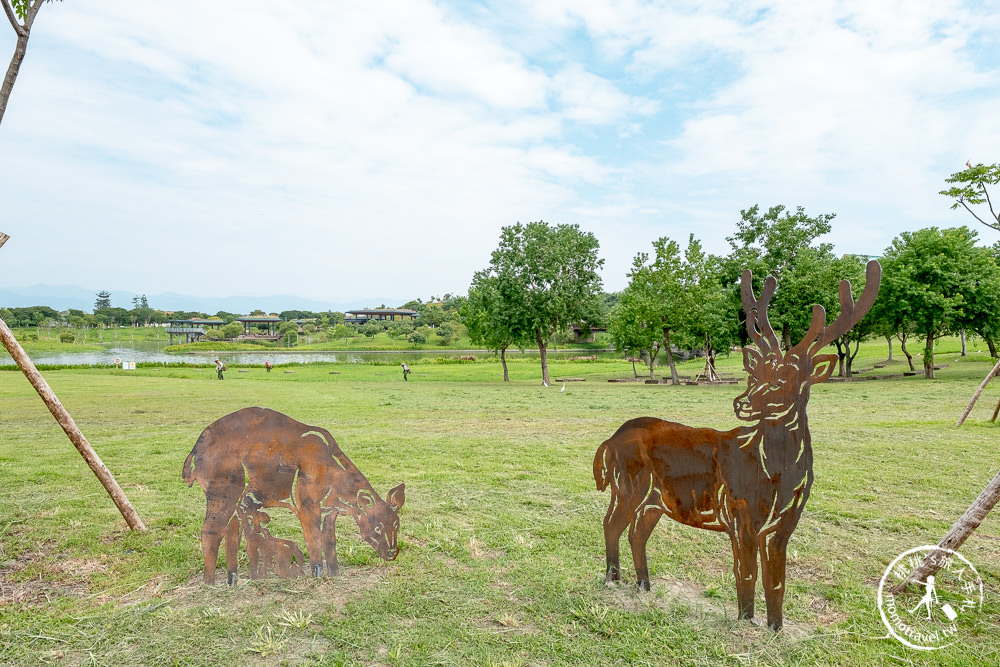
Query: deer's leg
[773,551]
[615,521]
[219,508]
[638,534]
[330,544]
[311,529]
[744,542]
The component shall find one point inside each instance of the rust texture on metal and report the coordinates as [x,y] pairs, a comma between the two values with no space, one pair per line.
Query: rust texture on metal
[750,482]
[256,458]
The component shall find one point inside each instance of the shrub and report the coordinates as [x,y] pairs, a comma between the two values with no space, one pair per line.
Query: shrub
[67,337]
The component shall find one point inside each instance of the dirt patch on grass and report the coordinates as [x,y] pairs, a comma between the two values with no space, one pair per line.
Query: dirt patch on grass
[33,578]
[667,592]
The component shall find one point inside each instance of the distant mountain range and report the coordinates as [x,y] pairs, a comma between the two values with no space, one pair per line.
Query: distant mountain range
[64,297]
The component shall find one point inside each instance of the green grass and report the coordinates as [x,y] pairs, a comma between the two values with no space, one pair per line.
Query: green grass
[502,551]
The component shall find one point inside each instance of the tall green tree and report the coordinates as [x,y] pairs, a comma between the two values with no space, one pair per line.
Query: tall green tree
[103,300]
[488,320]
[939,282]
[547,277]
[970,190]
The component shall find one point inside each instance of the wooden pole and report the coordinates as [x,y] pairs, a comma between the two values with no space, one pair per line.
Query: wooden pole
[975,397]
[68,425]
[958,533]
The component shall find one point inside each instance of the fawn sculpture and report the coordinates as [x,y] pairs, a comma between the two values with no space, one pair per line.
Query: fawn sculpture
[750,482]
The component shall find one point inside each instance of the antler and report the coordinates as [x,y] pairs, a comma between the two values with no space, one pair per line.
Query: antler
[851,313]
[758,326]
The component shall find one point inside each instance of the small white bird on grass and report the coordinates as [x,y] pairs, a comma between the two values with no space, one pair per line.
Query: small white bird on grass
[563,389]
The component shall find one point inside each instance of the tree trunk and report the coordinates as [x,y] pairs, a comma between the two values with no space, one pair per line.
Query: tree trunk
[850,357]
[909,357]
[961,334]
[840,357]
[929,357]
[992,346]
[503,362]
[72,430]
[888,339]
[652,360]
[542,352]
[959,532]
[670,358]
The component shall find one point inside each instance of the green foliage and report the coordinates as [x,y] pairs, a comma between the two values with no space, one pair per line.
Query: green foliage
[445,332]
[341,331]
[545,279]
[783,244]
[231,330]
[419,335]
[936,282]
[371,329]
[103,300]
[287,327]
[67,337]
[971,190]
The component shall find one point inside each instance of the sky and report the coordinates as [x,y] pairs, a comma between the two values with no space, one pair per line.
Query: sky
[345,150]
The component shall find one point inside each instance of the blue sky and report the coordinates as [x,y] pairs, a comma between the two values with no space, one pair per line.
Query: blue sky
[343,150]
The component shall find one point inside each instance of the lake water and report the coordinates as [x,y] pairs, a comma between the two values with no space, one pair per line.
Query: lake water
[153,352]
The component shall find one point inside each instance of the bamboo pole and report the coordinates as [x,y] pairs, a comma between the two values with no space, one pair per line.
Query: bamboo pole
[68,425]
[975,397]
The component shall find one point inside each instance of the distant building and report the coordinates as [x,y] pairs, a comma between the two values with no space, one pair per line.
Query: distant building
[379,315]
[189,331]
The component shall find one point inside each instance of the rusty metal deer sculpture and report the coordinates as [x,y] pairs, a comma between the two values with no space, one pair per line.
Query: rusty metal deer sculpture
[750,482]
[257,458]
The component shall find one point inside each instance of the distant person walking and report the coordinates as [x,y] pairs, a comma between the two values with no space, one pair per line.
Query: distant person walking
[267,365]
[406,370]
[219,367]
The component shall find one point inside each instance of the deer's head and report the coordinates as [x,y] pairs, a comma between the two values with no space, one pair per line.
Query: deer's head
[778,381]
[378,520]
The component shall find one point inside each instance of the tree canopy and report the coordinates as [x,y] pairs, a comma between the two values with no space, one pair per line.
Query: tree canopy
[546,279]
[970,190]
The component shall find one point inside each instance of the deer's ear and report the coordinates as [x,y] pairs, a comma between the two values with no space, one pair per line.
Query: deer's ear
[396,497]
[823,366]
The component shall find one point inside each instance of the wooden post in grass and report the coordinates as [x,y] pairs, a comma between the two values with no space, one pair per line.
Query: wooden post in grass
[67,423]
[975,397]
[957,535]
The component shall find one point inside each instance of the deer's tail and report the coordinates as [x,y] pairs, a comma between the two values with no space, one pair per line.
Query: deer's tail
[188,475]
[602,464]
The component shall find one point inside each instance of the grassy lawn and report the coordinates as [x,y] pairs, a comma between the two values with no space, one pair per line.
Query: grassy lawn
[502,551]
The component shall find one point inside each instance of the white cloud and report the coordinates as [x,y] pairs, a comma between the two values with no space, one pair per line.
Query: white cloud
[341,149]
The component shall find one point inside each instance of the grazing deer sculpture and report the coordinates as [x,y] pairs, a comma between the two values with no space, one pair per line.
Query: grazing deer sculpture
[750,482]
[257,458]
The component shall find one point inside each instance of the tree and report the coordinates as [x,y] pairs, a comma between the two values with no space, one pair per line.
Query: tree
[103,298]
[972,190]
[488,320]
[21,14]
[632,326]
[231,330]
[781,244]
[446,332]
[546,279]
[938,281]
